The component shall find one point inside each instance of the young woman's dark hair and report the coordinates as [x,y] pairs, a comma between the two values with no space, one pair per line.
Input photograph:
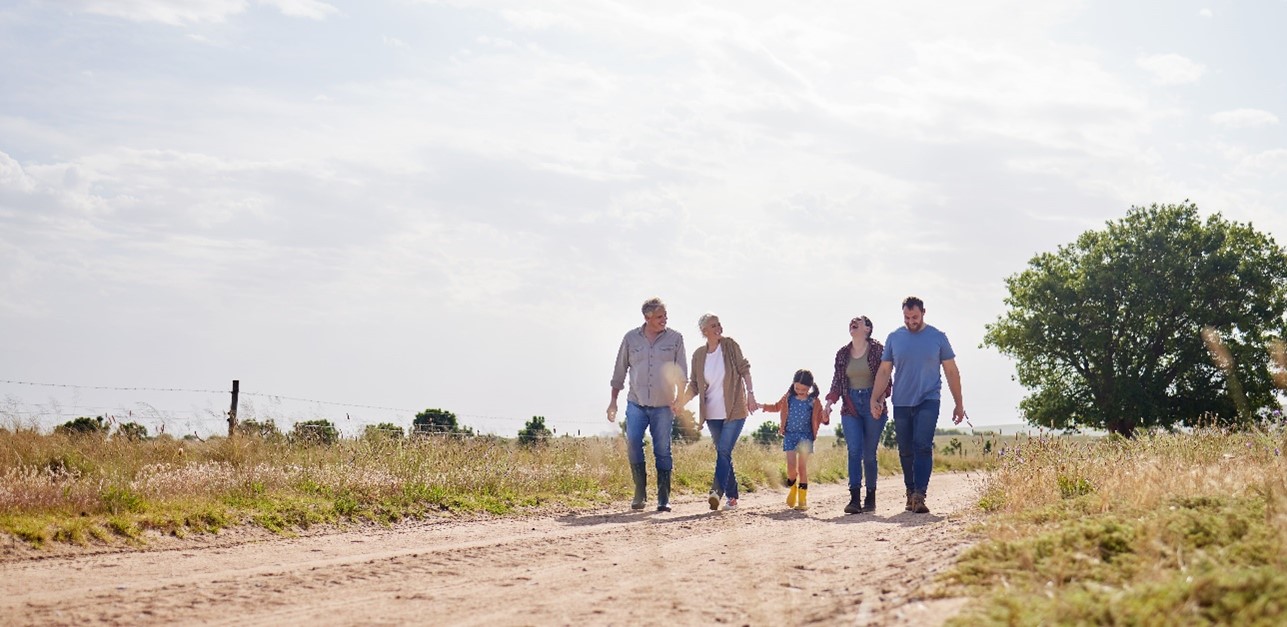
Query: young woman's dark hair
[803,377]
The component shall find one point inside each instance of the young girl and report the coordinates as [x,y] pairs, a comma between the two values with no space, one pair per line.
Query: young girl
[801,413]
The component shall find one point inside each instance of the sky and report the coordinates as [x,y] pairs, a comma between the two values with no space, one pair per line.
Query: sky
[360,210]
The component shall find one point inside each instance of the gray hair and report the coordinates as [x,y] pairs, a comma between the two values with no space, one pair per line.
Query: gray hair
[651,305]
[706,317]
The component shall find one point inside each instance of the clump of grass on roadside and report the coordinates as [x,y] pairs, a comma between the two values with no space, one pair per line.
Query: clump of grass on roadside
[1192,527]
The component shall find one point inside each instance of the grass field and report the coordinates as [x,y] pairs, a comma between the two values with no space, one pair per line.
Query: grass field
[77,489]
[1188,528]
[1163,529]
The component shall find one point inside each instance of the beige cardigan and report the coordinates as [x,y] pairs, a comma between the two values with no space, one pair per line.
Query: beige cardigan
[736,367]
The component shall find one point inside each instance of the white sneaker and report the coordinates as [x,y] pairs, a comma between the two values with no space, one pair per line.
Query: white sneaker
[713,499]
[732,504]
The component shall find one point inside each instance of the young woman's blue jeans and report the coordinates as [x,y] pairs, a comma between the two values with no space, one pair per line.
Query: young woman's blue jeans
[862,437]
[914,429]
[657,421]
[724,433]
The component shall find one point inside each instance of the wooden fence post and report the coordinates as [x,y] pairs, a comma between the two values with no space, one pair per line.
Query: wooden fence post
[232,412]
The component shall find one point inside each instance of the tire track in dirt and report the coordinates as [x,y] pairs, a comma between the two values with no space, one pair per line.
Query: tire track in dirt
[760,563]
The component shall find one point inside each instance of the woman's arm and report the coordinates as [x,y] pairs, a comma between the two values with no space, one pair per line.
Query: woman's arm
[838,378]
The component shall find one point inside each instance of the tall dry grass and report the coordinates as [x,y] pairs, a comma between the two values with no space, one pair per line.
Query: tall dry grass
[1182,528]
[62,487]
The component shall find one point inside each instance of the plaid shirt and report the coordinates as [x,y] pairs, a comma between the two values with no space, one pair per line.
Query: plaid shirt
[840,381]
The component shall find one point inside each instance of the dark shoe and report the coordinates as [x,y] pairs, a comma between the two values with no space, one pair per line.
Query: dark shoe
[663,490]
[854,507]
[869,503]
[909,500]
[713,500]
[918,504]
[639,472]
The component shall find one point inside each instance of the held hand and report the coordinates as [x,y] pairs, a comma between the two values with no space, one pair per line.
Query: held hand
[826,416]
[877,408]
[612,411]
[751,405]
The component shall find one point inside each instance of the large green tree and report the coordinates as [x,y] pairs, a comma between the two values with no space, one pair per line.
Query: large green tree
[1107,332]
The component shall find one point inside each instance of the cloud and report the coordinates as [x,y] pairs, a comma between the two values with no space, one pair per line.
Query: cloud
[1206,13]
[172,12]
[1171,69]
[1244,118]
[182,12]
[312,9]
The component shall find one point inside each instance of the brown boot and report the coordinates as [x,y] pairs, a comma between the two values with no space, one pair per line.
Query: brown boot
[918,503]
[909,500]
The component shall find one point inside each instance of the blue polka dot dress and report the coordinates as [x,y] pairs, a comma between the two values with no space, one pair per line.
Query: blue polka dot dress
[799,426]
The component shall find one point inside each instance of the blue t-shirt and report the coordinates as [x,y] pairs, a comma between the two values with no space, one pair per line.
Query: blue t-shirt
[917,358]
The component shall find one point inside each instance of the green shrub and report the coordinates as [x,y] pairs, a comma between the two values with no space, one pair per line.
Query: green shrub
[315,432]
[132,431]
[534,432]
[766,434]
[266,430]
[383,431]
[84,426]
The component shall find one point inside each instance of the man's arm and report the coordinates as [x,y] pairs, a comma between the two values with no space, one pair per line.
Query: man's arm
[618,378]
[953,375]
[878,389]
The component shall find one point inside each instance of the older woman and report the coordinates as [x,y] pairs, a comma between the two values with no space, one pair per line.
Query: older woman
[856,366]
[721,377]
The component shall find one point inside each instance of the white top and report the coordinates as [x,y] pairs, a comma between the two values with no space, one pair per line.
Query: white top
[714,373]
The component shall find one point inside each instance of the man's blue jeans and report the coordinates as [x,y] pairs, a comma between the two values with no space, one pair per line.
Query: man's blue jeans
[724,433]
[862,437]
[914,430]
[657,421]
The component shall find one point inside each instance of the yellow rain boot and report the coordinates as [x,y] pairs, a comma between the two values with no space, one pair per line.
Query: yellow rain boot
[791,494]
[802,502]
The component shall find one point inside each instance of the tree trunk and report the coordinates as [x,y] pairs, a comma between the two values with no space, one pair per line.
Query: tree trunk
[1124,428]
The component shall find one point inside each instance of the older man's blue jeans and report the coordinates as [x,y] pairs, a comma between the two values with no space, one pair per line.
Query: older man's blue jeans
[862,437]
[914,429]
[658,422]
[724,433]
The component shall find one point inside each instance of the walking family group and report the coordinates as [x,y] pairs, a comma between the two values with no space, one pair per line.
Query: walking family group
[906,371]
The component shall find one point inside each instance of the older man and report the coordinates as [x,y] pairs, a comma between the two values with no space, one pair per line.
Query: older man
[653,356]
[916,352]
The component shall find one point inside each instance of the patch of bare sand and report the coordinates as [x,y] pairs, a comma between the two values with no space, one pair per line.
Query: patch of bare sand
[758,564]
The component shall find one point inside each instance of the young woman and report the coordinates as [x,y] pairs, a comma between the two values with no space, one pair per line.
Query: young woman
[856,366]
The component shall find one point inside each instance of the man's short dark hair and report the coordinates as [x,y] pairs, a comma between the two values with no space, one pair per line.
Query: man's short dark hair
[912,301]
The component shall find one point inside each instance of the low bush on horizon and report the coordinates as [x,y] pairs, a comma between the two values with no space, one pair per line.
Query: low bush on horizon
[64,488]
[1166,528]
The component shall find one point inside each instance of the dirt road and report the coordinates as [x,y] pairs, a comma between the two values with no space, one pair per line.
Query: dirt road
[759,564]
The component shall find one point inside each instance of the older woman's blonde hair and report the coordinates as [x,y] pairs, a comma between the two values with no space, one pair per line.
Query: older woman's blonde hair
[706,317]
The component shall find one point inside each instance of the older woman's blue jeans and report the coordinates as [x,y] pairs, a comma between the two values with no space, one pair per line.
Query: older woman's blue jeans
[658,422]
[724,433]
[862,438]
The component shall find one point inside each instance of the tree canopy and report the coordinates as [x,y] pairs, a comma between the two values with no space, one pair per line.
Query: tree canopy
[438,421]
[534,432]
[1108,332]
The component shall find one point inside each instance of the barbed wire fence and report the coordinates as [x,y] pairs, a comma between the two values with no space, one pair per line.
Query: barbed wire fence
[242,406]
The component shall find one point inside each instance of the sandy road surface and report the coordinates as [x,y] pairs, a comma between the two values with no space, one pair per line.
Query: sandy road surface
[759,564]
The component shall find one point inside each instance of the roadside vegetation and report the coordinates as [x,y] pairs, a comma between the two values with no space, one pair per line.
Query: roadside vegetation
[82,486]
[1161,529]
